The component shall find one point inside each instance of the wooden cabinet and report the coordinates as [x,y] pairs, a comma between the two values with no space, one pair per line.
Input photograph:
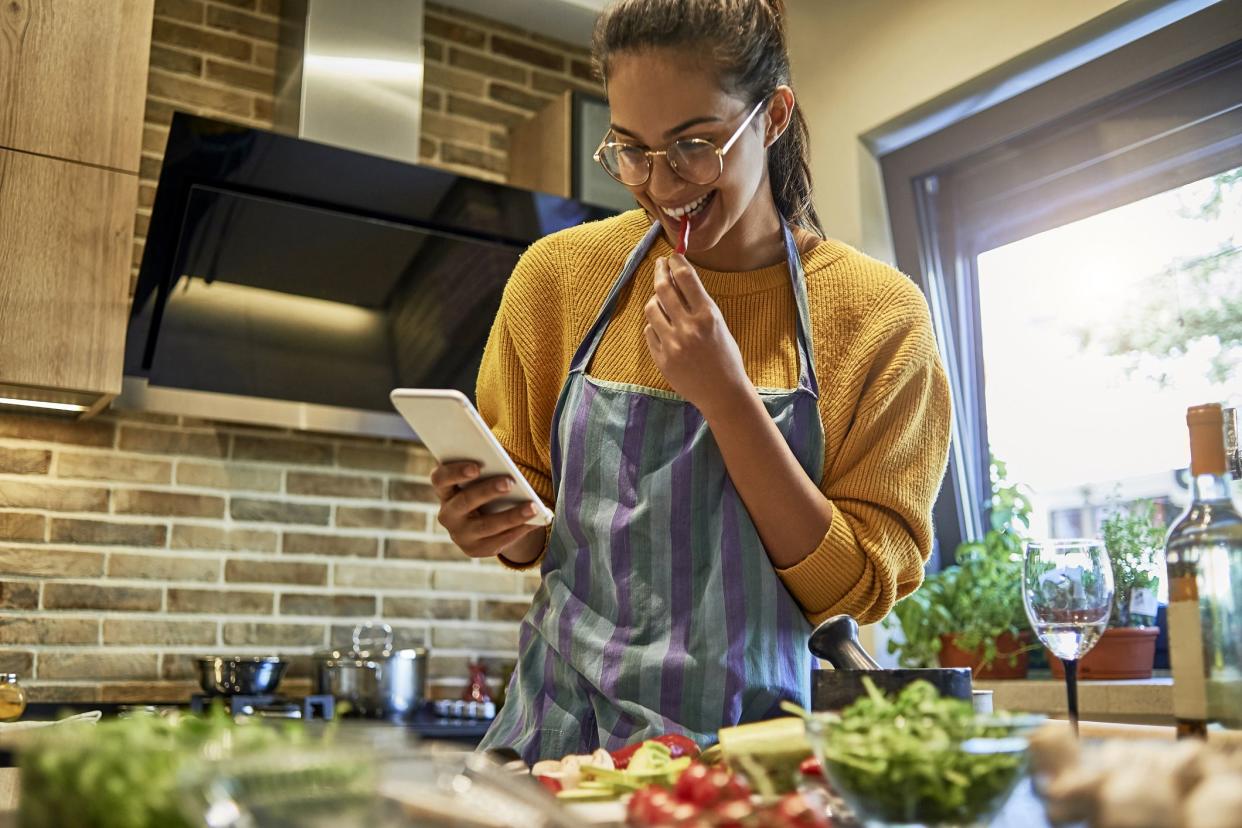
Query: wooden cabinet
[65,232]
[553,152]
[73,87]
[540,149]
[73,78]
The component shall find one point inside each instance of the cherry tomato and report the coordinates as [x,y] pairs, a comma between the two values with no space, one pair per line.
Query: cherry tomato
[652,805]
[730,786]
[810,767]
[689,780]
[796,812]
[732,814]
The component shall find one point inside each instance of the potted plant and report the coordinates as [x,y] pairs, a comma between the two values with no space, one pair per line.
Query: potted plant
[1134,540]
[970,614]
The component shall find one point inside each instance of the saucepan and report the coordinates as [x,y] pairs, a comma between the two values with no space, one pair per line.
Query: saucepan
[375,680]
[240,675]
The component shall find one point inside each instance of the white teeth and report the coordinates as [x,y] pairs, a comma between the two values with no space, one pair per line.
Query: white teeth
[687,209]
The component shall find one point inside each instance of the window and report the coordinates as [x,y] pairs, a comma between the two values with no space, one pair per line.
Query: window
[1096,337]
[1079,248]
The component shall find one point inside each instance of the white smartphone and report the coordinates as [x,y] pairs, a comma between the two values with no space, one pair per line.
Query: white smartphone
[451,428]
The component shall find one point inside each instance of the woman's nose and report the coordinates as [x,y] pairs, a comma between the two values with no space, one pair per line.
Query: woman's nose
[663,182]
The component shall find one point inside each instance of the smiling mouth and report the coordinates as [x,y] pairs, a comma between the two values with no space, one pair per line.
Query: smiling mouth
[690,209]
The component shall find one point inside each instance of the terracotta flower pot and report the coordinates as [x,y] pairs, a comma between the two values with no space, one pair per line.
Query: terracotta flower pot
[1121,653]
[953,656]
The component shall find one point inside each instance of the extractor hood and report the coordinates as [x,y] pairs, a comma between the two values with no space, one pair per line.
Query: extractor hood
[292,283]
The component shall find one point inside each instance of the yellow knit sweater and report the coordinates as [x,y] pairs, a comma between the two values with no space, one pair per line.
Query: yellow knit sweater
[884,399]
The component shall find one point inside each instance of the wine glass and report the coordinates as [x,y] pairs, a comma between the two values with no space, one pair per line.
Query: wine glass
[1067,589]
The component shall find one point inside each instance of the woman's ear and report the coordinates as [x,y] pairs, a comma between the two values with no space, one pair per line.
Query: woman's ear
[780,113]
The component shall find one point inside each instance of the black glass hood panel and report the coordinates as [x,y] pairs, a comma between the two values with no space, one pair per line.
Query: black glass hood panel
[290,270]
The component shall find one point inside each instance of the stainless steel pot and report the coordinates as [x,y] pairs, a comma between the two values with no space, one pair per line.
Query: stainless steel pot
[240,675]
[374,679]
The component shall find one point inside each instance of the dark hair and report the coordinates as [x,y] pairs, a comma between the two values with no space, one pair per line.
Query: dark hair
[746,41]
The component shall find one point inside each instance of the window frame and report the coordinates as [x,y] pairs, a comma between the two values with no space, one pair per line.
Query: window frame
[936,186]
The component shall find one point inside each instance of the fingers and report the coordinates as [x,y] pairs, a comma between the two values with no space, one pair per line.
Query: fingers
[480,535]
[687,281]
[653,340]
[667,289]
[471,498]
[657,318]
[498,543]
[446,478]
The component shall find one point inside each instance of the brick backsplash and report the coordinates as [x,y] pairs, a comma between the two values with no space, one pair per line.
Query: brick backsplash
[218,58]
[133,542]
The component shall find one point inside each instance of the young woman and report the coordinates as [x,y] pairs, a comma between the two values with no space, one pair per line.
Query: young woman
[737,442]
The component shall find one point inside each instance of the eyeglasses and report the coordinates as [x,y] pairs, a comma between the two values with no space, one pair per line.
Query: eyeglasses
[696,160]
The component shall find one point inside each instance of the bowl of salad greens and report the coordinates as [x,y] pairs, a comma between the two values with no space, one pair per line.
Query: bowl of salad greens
[920,758]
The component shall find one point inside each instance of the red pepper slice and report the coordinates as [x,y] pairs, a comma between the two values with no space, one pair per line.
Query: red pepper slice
[621,757]
[551,783]
[677,744]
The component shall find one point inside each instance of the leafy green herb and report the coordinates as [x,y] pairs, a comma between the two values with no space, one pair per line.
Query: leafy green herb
[124,773]
[918,757]
[1134,539]
[980,597]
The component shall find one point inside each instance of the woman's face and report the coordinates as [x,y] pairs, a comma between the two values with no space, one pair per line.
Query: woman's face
[657,97]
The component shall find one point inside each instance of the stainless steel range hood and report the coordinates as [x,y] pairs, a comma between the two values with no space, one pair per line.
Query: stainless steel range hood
[350,74]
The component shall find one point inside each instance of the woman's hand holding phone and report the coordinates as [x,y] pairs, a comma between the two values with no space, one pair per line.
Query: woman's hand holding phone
[480,534]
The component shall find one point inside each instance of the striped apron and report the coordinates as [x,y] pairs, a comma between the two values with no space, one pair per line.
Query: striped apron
[659,610]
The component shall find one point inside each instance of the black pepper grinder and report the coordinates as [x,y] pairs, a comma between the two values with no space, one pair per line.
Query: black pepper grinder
[836,641]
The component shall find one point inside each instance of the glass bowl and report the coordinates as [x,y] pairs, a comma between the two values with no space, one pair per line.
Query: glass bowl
[911,781]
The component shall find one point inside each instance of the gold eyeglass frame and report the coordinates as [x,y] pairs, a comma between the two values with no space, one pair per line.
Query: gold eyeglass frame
[649,153]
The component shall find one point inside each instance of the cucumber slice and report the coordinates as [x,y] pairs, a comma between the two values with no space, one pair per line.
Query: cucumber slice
[587,795]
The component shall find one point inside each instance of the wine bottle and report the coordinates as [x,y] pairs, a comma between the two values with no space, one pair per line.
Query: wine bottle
[1204,558]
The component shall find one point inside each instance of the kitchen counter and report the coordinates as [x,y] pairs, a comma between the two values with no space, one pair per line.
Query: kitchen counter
[1142,701]
[423,725]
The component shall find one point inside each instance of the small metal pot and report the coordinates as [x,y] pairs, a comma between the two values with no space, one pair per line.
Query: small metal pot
[240,675]
[375,680]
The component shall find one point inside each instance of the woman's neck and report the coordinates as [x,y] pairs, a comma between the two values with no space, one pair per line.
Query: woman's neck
[753,242]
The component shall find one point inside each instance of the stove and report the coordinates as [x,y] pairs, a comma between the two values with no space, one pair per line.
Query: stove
[320,707]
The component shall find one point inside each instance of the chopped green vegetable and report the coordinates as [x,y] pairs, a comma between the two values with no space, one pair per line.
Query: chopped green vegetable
[124,773]
[651,764]
[918,757]
[768,753]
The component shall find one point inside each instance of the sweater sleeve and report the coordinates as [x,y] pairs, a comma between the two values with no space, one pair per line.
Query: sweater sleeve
[884,479]
[516,377]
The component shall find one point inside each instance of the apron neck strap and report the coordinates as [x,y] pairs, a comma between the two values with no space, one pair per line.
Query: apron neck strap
[806,358]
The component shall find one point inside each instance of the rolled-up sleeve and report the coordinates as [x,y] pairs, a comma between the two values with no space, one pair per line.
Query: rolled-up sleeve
[885,477]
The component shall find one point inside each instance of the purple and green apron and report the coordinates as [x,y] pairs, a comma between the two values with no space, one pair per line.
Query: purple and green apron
[659,610]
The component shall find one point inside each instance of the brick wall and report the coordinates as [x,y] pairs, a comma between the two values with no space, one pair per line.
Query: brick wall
[481,78]
[133,542]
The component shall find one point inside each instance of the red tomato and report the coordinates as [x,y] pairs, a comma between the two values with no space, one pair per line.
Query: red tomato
[706,787]
[732,814]
[731,787]
[796,812]
[652,805]
[810,767]
[552,784]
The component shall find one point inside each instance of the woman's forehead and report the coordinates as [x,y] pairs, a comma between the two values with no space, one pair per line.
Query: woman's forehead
[654,91]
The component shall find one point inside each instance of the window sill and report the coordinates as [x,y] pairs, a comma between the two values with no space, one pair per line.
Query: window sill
[1141,701]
